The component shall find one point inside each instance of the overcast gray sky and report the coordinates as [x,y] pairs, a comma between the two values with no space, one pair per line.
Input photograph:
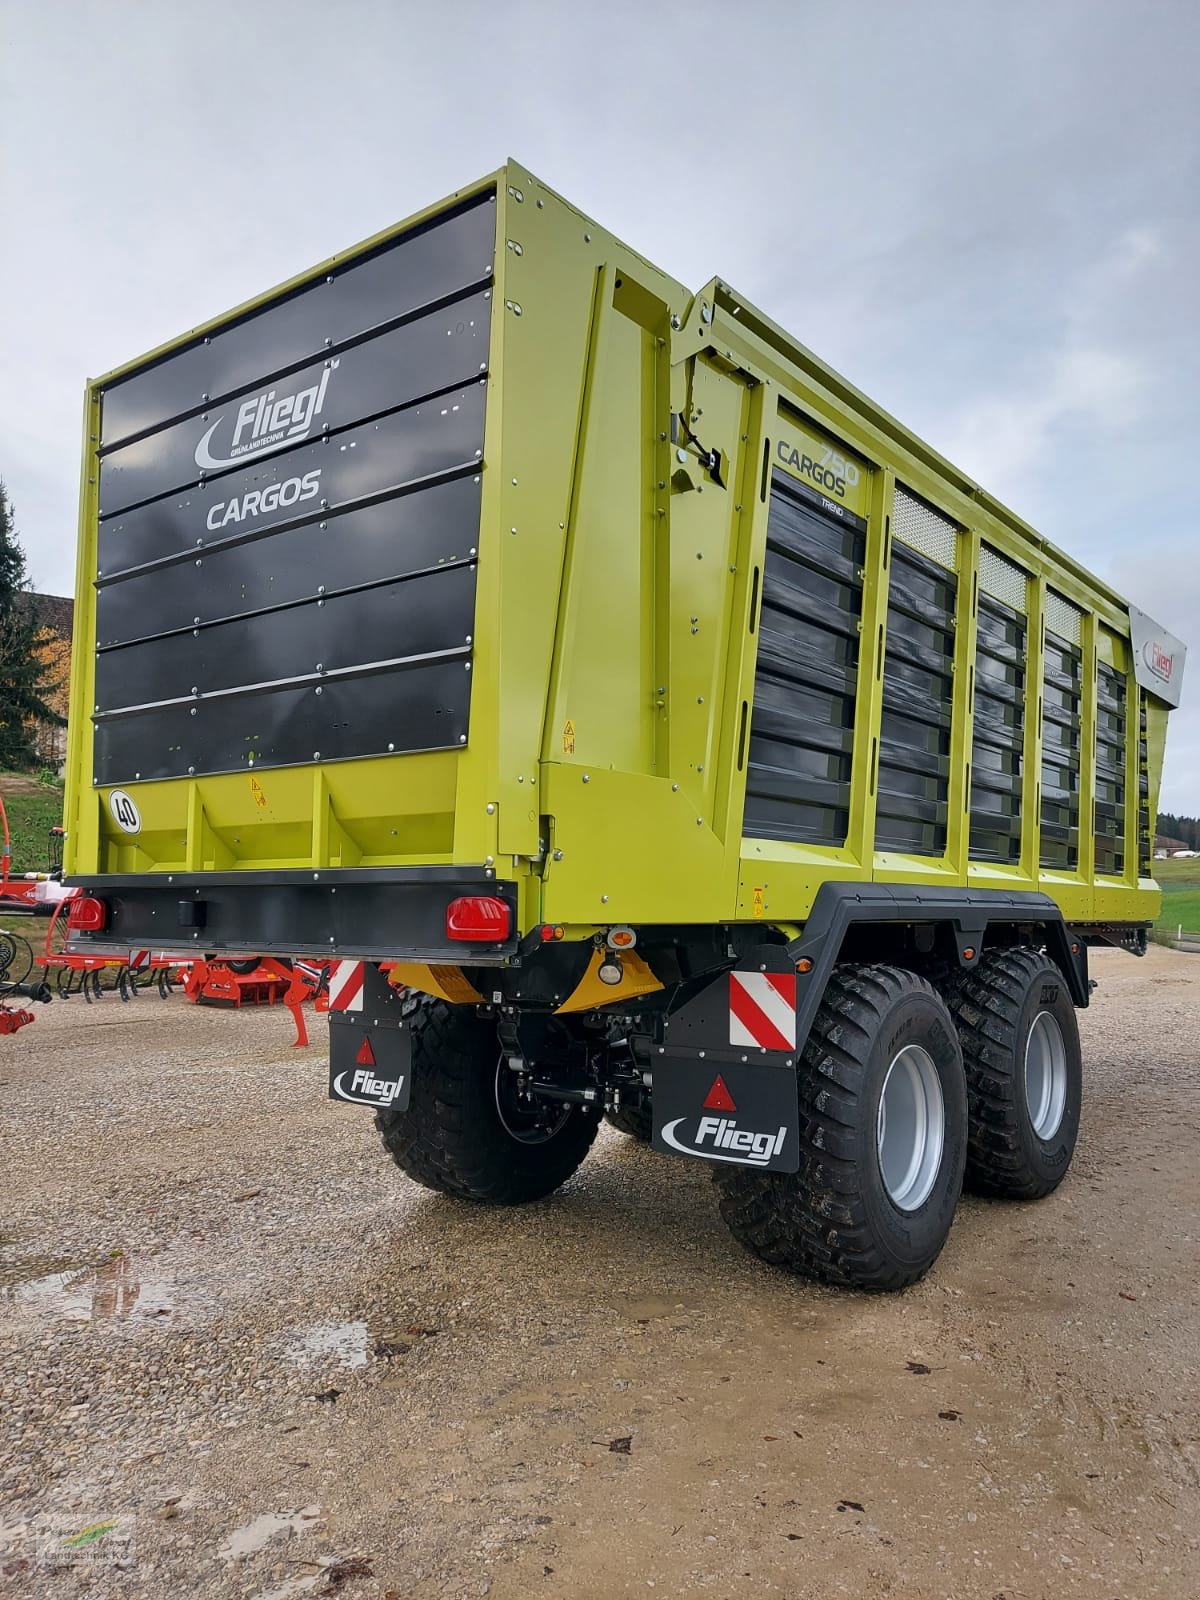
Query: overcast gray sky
[986,215]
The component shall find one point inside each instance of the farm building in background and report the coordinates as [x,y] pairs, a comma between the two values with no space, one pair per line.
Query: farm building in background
[55,614]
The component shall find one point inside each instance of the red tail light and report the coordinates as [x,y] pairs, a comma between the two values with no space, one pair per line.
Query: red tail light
[478,919]
[87,915]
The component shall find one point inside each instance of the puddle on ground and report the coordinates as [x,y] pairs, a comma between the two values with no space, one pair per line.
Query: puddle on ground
[342,1343]
[35,1267]
[115,1291]
[256,1534]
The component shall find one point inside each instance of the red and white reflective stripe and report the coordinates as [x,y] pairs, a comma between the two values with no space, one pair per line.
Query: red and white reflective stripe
[346,986]
[762,1010]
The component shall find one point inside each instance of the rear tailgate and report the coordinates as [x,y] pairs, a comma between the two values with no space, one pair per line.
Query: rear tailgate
[281,523]
[288,515]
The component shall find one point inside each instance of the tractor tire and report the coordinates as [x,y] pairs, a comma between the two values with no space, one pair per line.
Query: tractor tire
[465,1133]
[883,1134]
[637,1121]
[1020,1044]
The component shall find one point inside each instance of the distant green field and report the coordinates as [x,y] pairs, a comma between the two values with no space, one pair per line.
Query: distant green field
[1180,883]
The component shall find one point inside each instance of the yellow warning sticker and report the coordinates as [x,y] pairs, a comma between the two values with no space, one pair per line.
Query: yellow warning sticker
[568,737]
[256,790]
[758,902]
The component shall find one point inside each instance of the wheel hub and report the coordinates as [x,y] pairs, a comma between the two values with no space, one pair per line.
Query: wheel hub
[1045,1075]
[911,1128]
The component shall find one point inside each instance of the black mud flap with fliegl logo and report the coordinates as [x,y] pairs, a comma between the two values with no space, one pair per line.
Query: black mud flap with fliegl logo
[370,1043]
[746,1115]
[725,1085]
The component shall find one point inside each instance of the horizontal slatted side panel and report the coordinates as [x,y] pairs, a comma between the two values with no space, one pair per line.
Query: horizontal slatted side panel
[918,684]
[806,677]
[1145,829]
[1111,718]
[1001,642]
[1062,696]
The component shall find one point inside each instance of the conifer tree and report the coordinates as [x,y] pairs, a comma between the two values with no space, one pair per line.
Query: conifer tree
[24,671]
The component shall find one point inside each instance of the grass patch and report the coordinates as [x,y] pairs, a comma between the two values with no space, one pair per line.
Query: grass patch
[1180,884]
[33,809]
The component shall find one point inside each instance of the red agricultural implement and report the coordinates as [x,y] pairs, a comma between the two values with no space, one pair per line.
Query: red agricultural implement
[261,982]
[205,980]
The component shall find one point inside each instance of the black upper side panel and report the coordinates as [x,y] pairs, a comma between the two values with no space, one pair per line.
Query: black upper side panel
[421,269]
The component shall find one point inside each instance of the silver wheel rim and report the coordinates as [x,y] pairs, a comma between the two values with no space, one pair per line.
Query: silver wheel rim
[1045,1075]
[911,1130]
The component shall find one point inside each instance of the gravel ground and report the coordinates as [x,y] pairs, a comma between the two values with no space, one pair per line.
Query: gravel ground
[233,1332]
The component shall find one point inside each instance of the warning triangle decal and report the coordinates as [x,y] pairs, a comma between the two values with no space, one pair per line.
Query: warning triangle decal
[719,1097]
[365,1056]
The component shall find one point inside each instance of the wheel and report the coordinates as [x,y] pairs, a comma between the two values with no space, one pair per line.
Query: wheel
[1020,1045]
[16,958]
[883,1133]
[466,1131]
[635,1120]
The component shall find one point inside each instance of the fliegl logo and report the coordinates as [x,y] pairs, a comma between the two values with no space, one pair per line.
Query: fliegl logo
[366,1089]
[720,1139]
[1156,658]
[265,422]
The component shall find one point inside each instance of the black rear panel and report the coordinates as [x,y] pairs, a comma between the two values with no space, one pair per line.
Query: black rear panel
[806,678]
[1110,769]
[290,520]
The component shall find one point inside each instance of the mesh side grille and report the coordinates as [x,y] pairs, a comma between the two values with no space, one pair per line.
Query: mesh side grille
[1063,618]
[1003,580]
[923,529]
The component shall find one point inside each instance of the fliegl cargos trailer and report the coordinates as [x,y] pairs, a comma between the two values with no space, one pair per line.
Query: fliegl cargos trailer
[648,725]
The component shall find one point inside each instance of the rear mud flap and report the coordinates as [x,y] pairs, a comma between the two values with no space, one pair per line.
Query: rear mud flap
[370,1042]
[727,1112]
[725,1085]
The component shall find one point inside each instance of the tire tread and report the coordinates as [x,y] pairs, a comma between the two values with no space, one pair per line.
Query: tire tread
[441,1144]
[819,1227]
